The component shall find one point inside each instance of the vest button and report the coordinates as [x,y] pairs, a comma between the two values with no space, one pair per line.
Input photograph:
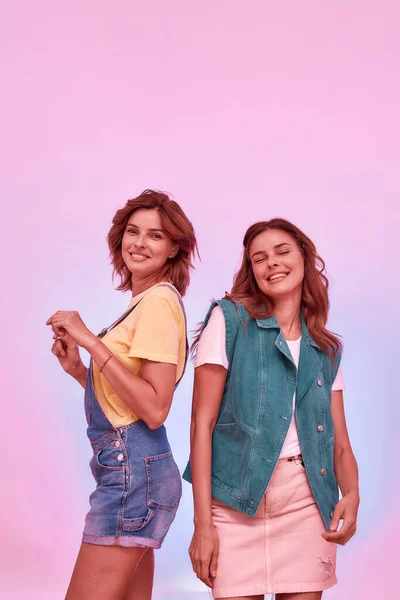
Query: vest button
[319,382]
[320,427]
[323,471]
[120,457]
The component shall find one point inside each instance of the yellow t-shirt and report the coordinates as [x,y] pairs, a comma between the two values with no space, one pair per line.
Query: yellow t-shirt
[154,330]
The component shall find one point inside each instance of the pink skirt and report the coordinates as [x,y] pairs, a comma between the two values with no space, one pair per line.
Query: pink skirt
[280,550]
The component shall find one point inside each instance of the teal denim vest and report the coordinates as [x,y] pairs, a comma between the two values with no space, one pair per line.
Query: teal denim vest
[256,411]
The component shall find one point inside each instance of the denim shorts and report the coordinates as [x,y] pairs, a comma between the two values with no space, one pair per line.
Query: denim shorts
[138,484]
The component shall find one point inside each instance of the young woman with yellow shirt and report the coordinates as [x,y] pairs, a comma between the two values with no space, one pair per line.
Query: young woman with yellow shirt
[135,366]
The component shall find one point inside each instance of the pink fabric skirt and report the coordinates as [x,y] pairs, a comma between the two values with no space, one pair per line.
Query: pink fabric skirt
[280,550]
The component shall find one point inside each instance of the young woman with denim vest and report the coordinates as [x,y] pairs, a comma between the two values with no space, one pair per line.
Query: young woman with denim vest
[269,443]
[135,366]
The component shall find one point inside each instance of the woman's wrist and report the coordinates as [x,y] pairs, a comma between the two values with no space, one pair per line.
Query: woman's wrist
[203,522]
[353,495]
[92,342]
[79,373]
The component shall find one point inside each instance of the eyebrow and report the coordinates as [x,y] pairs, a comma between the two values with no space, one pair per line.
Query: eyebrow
[276,247]
[151,229]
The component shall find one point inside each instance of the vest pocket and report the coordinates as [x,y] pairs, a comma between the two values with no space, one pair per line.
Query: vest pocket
[230,454]
[164,484]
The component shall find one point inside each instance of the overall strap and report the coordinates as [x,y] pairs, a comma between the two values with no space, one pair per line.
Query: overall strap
[128,312]
[118,321]
[184,314]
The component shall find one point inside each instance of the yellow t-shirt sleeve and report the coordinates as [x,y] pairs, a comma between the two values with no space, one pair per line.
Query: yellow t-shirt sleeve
[157,332]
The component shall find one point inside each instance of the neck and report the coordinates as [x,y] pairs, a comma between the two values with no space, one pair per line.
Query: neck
[141,285]
[287,313]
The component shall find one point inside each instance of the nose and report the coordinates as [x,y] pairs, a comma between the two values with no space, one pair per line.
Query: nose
[140,241]
[273,261]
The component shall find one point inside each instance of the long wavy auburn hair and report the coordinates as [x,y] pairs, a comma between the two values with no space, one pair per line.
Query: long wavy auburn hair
[176,226]
[314,300]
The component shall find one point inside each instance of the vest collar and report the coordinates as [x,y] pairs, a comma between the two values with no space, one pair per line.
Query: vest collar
[310,359]
[305,334]
[269,323]
[272,323]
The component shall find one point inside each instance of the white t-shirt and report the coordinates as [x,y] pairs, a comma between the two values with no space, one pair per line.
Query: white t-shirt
[212,349]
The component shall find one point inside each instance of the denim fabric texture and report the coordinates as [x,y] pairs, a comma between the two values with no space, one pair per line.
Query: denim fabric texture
[256,410]
[138,484]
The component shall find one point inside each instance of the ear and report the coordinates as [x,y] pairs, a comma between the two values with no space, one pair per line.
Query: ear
[174,251]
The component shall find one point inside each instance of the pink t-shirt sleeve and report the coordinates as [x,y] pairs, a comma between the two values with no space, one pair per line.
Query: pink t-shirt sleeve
[211,348]
[338,384]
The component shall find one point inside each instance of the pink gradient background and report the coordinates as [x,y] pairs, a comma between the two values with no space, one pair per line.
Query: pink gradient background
[243,111]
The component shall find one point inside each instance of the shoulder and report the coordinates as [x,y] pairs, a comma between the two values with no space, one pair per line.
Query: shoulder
[336,363]
[163,290]
[234,313]
[163,298]
[331,364]
[223,307]
[215,320]
[228,318]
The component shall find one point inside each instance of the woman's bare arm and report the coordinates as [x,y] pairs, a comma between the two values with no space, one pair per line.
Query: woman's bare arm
[209,383]
[149,395]
[346,472]
[209,386]
[67,352]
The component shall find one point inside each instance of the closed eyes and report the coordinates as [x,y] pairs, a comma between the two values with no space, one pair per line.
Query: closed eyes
[260,260]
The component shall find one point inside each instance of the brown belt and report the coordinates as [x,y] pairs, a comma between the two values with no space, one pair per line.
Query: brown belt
[298,459]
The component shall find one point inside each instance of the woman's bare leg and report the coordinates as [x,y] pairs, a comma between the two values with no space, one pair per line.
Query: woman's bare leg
[103,572]
[141,585]
[244,598]
[300,596]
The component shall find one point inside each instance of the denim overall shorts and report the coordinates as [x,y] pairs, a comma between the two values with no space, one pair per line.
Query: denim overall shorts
[138,482]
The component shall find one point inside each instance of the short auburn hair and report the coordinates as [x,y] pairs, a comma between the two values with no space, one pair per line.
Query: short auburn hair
[176,226]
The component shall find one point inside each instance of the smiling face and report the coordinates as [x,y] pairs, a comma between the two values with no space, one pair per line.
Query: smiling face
[277,264]
[145,247]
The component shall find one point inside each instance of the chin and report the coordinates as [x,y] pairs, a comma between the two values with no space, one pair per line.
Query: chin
[140,269]
[275,293]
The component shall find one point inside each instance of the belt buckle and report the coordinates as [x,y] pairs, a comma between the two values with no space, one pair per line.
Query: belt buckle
[298,459]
